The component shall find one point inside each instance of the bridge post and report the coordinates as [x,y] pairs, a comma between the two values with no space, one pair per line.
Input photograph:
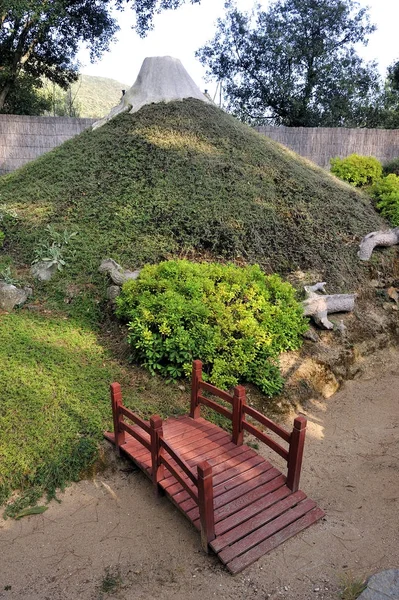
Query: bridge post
[116,401]
[205,504]
[239,401]
[156,434]
[295,453]
[195,381]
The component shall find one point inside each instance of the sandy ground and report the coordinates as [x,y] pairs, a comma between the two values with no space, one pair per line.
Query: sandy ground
[110,538]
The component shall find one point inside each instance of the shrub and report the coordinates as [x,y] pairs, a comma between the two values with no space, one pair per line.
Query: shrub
[357,170]
[392,167]
[236,320]
[386,192]
[2,238]
[54,249]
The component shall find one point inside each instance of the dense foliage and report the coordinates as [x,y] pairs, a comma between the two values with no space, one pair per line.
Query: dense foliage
[295,63]
[26,97]
[88,97]
[42,39]
[386,192]
[392,167]
[235,319]
[185,177]
[357,170]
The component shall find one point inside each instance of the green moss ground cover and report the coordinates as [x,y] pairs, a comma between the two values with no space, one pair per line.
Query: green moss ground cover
[54,402]
[187,178]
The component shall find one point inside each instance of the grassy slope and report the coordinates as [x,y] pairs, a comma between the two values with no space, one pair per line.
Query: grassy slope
[54,380]
[183,176]
[92,97]
[171,179]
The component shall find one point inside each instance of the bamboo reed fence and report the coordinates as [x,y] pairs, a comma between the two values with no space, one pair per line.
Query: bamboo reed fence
[320,144]
[24,138]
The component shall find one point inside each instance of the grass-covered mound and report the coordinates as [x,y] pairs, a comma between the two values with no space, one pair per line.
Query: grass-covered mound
[186,177]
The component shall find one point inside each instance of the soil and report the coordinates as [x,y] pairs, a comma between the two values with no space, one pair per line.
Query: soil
[110,538]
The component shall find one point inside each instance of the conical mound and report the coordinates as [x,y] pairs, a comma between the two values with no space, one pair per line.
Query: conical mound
[186,179]
[161,79]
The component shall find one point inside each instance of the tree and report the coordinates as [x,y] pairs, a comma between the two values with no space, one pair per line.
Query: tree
[26,97]
[146,10]
[393,75]
[387,111]
[40,38]
[295,63]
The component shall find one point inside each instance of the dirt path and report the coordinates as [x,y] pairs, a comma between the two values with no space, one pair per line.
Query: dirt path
[109,538]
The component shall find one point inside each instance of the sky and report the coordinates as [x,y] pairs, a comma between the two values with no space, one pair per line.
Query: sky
[179,33]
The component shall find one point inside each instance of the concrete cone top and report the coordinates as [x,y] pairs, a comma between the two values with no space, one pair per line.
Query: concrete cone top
[161,79]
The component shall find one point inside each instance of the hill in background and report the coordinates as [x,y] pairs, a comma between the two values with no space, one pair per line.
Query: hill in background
[185,178]
[89,97]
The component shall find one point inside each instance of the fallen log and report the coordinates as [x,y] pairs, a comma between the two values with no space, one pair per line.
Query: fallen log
[318,307]
[118,274]
[389,237]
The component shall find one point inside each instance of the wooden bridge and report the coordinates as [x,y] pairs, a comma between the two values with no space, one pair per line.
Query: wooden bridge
[242,505]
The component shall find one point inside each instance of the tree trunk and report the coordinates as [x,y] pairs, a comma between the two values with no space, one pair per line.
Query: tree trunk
[3,95]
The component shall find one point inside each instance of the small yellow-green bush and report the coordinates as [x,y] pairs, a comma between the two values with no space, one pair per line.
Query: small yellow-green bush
[236,320]
[357,170]
[386,192]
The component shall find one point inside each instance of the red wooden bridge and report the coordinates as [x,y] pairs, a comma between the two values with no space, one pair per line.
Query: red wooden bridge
[242,505]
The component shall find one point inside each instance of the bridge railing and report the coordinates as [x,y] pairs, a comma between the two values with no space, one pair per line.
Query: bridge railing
[295,439]
[150,434]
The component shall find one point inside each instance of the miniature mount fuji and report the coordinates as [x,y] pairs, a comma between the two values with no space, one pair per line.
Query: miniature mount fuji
[161,79]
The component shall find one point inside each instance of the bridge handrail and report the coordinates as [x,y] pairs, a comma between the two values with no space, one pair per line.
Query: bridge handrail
[295,439]
[201,487]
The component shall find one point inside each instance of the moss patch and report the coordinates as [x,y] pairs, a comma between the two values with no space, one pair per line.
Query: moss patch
[54,380]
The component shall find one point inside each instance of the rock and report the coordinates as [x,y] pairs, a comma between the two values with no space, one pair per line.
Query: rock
[118,274]
[393,294]
[341,327]
[311,335]
[44,270]
[113,292]
[382,586]
[11,296]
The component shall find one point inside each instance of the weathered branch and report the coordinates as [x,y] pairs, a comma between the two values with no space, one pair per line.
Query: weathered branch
[390,237]
[117,273]
[318,306]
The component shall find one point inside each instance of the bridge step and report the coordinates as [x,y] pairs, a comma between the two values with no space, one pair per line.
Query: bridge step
[254,509]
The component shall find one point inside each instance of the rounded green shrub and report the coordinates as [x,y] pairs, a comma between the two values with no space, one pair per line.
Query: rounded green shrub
[357,170]
[392,167]
[386,192]
[236,320]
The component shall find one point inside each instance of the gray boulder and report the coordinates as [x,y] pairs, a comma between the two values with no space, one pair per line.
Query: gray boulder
[11,296]
[44,270]
[113,292]
[382,586]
